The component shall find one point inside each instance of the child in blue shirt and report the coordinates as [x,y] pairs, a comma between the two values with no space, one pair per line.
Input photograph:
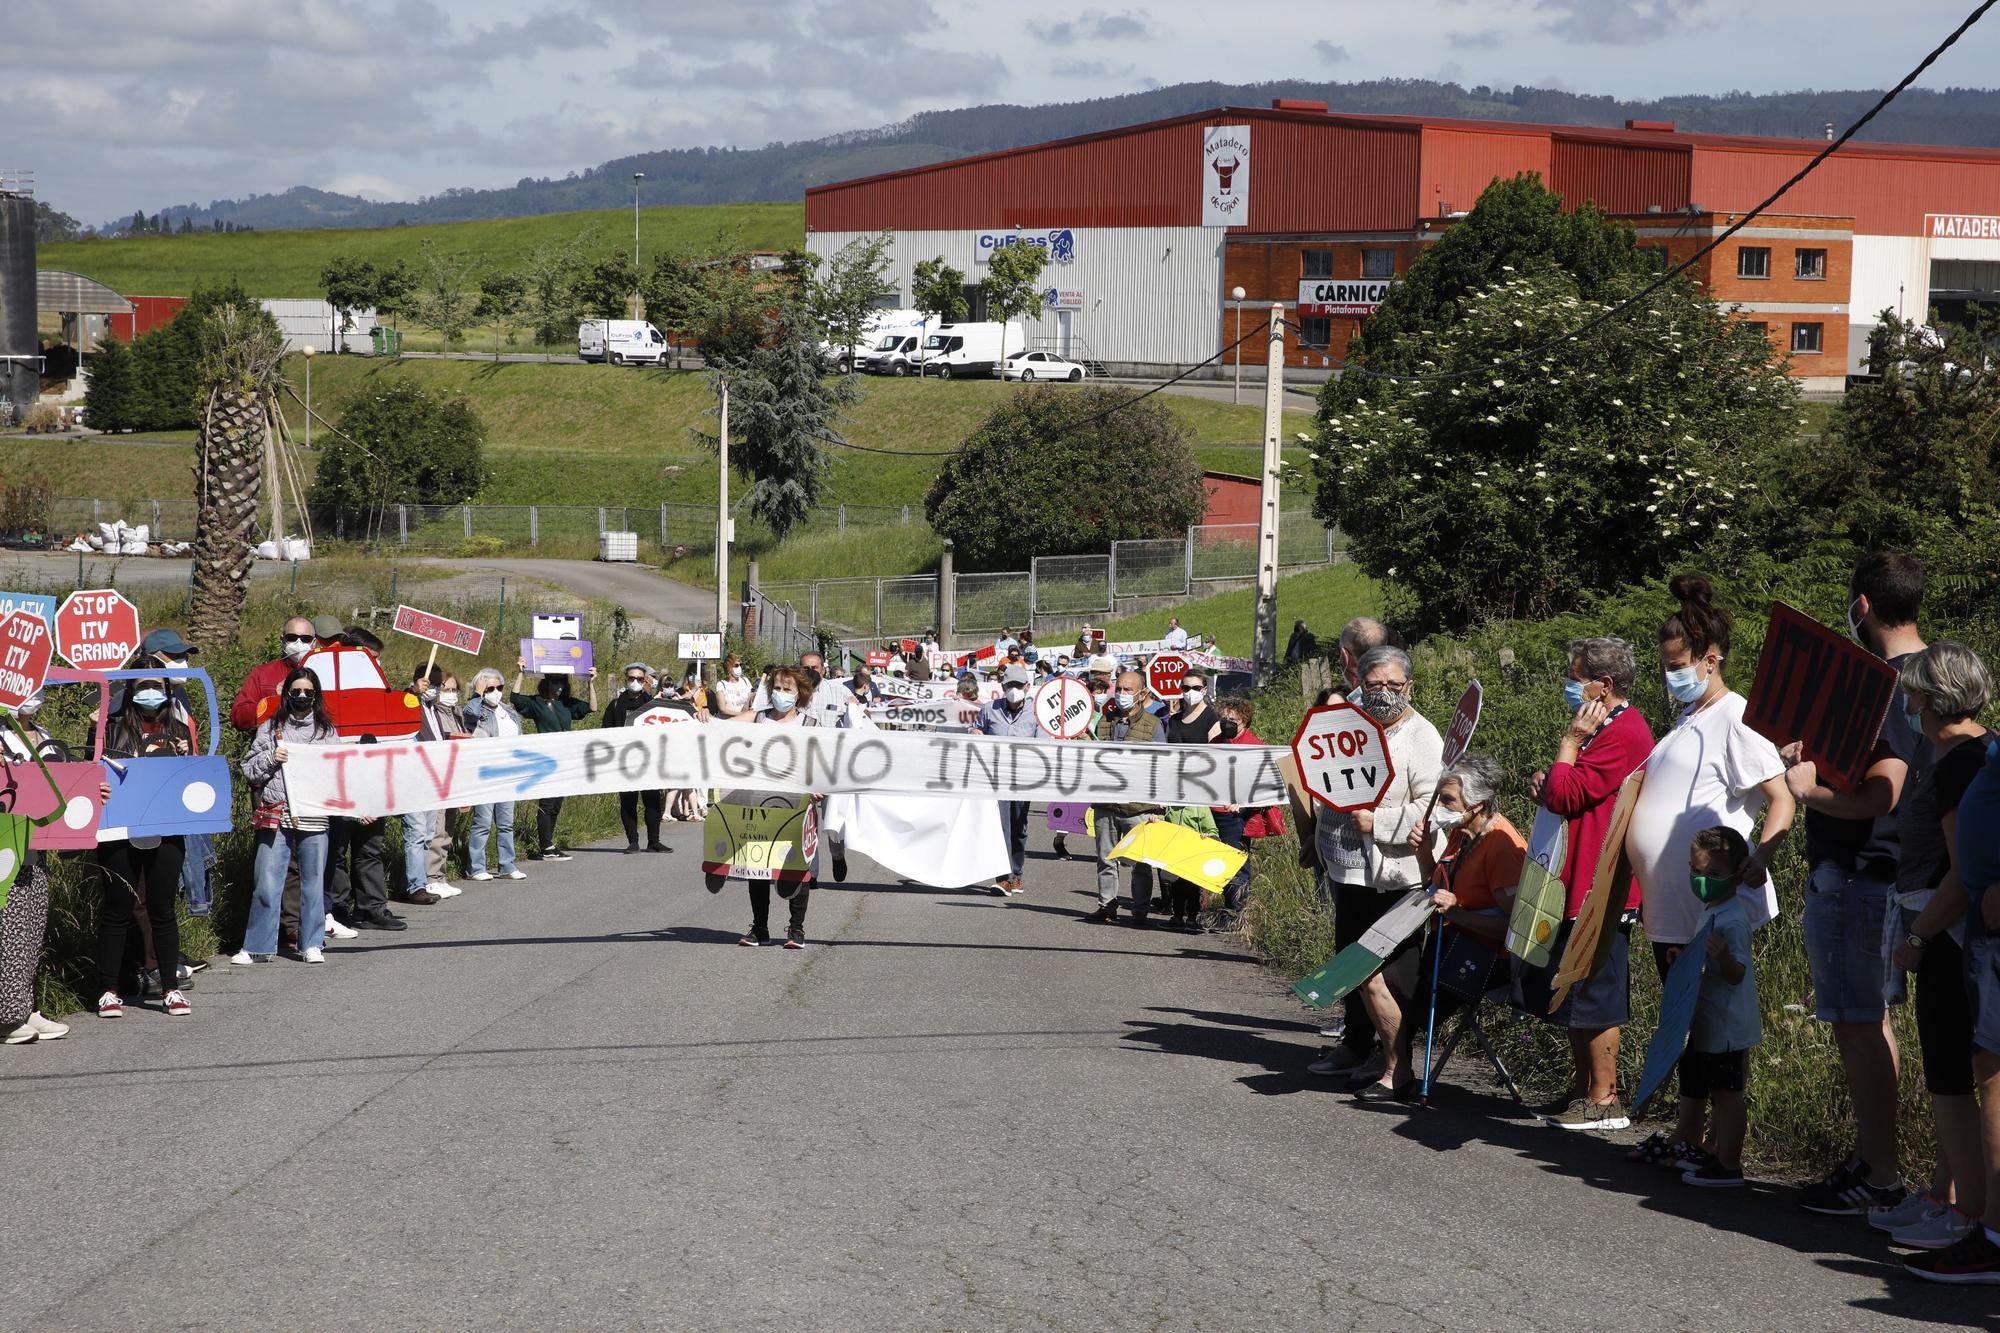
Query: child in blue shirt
[1716,1066]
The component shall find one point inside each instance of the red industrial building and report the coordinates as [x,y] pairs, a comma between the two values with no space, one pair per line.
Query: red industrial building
[1150,227]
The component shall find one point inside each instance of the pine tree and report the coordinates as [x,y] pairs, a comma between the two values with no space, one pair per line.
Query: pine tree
[109,395]
[782,413]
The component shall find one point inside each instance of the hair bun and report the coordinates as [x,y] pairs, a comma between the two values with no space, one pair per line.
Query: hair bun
[1692,590]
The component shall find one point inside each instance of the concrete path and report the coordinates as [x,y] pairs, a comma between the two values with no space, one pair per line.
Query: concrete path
[574,1102]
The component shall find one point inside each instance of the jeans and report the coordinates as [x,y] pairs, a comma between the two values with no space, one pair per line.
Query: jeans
[1848,930]
[276,848]
[484,819]
[1014,818]
[1229,828]
[200,853]
[419,826]
[1110,828]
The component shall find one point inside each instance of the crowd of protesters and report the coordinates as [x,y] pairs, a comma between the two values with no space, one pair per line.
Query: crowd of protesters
[1896,902]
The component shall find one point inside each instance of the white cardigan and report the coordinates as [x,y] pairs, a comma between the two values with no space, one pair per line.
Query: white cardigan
[1389,865]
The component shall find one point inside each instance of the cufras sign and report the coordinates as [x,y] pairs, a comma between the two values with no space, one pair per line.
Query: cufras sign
[1225,176]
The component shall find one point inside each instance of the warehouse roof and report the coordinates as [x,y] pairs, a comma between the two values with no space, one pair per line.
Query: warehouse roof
[58,292]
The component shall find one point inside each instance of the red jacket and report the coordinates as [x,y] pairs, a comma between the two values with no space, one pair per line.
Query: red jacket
[1584,793]
[1262,821]
[262,683]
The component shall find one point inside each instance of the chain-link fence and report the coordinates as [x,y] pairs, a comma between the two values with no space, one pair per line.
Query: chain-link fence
[909,605]
[1149,568]
[1072,584]
[990,601]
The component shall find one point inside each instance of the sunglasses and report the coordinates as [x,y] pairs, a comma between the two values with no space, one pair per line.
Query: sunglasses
[303,694]
[298,638]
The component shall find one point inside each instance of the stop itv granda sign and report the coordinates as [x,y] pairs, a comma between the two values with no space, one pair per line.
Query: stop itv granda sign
[1343,757]
[24,658]
[97,630]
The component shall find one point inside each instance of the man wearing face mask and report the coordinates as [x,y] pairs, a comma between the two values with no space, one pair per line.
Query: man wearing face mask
[263,681]
[1010,715]
[1125,719]
[635,698]
[1193,721]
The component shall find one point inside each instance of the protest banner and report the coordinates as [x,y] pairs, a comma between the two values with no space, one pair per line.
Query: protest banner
[1343,757]
[912,715]
[97,630]
[394,778]
[558,657]
[1216,662]
[1822,690]
[437,631]
[1131,647]
[939,841]
[753,836]
[877,659]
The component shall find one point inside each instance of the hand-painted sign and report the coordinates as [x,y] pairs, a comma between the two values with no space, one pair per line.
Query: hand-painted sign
[97,630]
[436,629]
[1062,708]
[1343,757]
[700,647]
[26,649]
[755,837]
[1822,690]
[558,657]
[34,602]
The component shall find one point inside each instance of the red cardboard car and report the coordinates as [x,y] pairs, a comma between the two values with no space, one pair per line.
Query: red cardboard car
[358,697]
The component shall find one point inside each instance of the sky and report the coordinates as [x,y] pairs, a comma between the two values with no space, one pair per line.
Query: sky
[117,104]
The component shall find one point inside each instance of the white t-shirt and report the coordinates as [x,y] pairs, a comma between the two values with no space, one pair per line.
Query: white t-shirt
[1708,770]
[734,694]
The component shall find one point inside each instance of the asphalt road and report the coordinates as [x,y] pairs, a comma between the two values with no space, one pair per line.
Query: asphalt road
[574,1102]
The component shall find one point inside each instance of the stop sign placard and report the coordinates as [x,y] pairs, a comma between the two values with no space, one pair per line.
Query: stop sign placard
[1343,757]
[1163,675]
[1062,708]
[25,650]
[97,630]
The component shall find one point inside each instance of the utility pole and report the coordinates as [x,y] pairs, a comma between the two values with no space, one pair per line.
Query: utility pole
[1236,299]
[722,520]
[638,310]
[1265,654]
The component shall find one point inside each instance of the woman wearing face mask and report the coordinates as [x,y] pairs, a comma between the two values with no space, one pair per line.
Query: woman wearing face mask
[282,835]
[1710,768]
[1193,721]
[488,713]
[24,921]
[427,834]
[1237,825]
[1367,861]
[789,694]
[730,698]
[1472,884]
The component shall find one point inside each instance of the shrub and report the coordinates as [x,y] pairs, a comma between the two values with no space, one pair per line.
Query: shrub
[27,507]
[42,419]
[398,443]
[110,395]
[1057,471]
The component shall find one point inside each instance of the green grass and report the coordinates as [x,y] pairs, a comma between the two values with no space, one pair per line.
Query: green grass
[288,263]
[1325,599]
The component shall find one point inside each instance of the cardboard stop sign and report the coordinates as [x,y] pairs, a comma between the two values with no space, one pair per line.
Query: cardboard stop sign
[1062,708]
[97,630]
[1464,721]
[25,652]
[1343,757]
[1163,675]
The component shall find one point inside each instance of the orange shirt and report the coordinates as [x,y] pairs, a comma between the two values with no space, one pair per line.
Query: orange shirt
[1492,867]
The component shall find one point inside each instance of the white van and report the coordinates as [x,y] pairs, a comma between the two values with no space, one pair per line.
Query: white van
[892,350]
[878,323]
[630,342]
[964,350]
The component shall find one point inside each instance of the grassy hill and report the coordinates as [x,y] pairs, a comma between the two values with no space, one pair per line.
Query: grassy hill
[288,263]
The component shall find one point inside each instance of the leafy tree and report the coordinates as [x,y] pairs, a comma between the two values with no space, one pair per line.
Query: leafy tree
[398,443]
[782,414]
[604,289]
[548,290]
[673,292]
[1610,458]
[731,318]
[444,294]
[393,289]
[110,399]
[502,298]
[167,388]
[1013,286]
[239,371]
[841,301]
[938,289]
[52,226]
[1066,472]
[350,283]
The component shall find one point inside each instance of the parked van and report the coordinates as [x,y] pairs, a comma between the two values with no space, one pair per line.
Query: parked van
[879,322]
[964,350]
[892,351]
[630,342]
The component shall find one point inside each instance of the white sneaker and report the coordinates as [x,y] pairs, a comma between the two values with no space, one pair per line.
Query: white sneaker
[1943,1226]
[446,890]
[338,931]
[1910,1209]
[314,955]
[515,874]
[21,1035]
[479,875]
[48,1027]
[243,958]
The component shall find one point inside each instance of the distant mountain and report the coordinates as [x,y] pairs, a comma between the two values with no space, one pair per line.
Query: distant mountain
[782,171]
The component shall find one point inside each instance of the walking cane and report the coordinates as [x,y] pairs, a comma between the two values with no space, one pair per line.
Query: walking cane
[1430,1024]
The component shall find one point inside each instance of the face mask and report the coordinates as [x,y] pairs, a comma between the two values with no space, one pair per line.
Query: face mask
[1124,698]
[1686,685]
[1573,695]
[429,694]
[1853,625]
[782,701]
[736,673]
[1192,698]
[635,686]
[1016,694]
[150,700]
[295,649]
[30,705]
[1385,706]
[492,698]
[1230,731]
[300,701]
[1712,889]
[1447,819]
[170,662]
[449,698]
[1100,695]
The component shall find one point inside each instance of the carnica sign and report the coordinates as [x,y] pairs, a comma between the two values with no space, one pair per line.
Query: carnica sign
[1464,721]
[1343,757]
[1163,675]
[1824,691]
[97,630]
[436,629]
[25,652]
[1062,708]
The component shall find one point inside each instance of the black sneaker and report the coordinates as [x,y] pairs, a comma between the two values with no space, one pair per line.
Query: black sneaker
[1653,1150]
[193,965]
[555,854]
[1974,1260]
[1690,1158]
[754,940]
[1714,1176]
[1107,913]
[658,847]
[839,868]
[631,849]
[795,939]
[1846,1192]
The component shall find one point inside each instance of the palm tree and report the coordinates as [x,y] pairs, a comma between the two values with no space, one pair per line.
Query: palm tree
[242,354]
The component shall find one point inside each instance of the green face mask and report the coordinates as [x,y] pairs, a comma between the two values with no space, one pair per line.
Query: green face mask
[1712,890]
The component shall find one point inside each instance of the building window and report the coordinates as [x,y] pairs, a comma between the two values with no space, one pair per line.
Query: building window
[1763,329]
[1753,261]
[1316,263]
[1656,255]
[1378,263]
[1806,338]
[1316,332]
[1811,265]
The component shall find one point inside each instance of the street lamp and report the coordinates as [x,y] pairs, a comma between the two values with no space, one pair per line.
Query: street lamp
[637,176]
[1236,299]
[307,350]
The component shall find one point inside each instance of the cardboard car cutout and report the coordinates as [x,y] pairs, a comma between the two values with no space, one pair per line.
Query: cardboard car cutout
[160,794]
[357,695]
[73,809]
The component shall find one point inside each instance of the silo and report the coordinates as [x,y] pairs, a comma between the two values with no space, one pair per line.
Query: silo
[20,373]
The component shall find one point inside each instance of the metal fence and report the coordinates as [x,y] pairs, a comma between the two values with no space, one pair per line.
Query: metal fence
[1070,584]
